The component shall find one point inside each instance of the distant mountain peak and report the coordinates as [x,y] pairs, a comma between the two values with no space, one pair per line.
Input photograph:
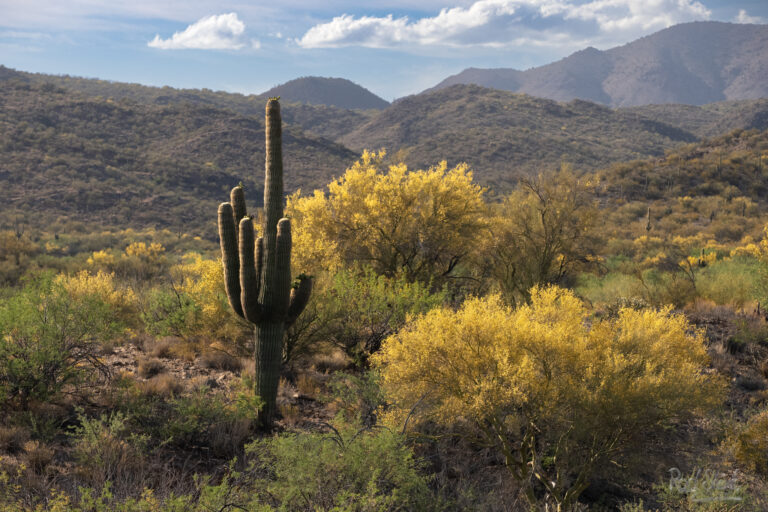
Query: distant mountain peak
[691,63]
[336,92]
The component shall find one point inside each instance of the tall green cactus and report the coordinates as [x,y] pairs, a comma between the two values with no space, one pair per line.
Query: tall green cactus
[257,274]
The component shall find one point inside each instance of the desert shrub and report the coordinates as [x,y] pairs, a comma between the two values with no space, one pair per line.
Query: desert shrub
[345,470]
[732,281]
[220,422]
[149,367]
[542,234]
[359,397]
[106,449]
[169,312]
[750,445]
[15,251]
[662,287]
[12,438]
[609,288]
[163,385]
[202,280]
[553,394]
[122,300]
[220,360]
[356,311]
[49,339]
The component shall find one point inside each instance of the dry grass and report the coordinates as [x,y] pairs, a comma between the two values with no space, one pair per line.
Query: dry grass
[37,456]
[12,439]
[220,360]
[291,414]
[150,367]
[163,348]
[164,386]
[308,386]
[186,350]
[330,363]
[227,437]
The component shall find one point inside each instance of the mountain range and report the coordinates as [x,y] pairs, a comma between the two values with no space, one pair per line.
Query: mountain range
[692,63]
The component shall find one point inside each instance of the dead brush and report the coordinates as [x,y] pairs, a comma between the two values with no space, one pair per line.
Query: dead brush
[163,348]
[220,360]
[291,414]
[330,363]
[149,367]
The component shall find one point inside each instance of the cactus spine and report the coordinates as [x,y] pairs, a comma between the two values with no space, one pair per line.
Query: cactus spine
[257,273]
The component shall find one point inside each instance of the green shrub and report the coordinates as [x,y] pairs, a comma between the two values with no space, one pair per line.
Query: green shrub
[346,470]
[356,311]
[49,339]
[730,282]
[169,313]
[106,450]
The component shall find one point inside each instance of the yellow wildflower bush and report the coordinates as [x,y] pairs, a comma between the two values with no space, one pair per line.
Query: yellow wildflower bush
[555,392]
[121,299]
[420,223]
[203,281]
[139,260]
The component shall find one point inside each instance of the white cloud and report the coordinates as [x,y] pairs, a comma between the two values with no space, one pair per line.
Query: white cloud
[217,32]
[743,17]
[507,23]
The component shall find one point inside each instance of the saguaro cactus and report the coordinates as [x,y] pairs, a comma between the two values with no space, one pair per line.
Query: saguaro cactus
[257,274]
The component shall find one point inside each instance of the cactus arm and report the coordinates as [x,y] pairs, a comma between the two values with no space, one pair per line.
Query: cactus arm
[299,299]
[229,256]
[282,269]
[249,282]
[237,200]
[259,262]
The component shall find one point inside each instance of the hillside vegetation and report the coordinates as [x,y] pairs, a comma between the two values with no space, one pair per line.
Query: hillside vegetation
[69,156]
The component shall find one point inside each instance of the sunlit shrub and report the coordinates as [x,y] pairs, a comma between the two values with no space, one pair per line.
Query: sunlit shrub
[554,394]
[417,223]
[202,281]
[750,445]
[103,285]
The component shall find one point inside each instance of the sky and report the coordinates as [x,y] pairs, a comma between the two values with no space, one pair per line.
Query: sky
[388,46]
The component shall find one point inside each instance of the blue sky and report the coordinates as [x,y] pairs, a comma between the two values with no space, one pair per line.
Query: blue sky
[390,47]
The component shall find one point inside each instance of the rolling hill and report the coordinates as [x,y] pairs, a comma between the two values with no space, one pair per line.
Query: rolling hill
[70,156]
[334,92]
[502,134]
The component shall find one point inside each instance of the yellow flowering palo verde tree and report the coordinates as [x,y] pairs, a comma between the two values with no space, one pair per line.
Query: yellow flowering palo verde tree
[421,224]
[555,393]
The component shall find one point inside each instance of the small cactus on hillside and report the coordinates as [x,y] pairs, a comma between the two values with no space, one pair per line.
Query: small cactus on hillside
[257,273]
[648,225]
